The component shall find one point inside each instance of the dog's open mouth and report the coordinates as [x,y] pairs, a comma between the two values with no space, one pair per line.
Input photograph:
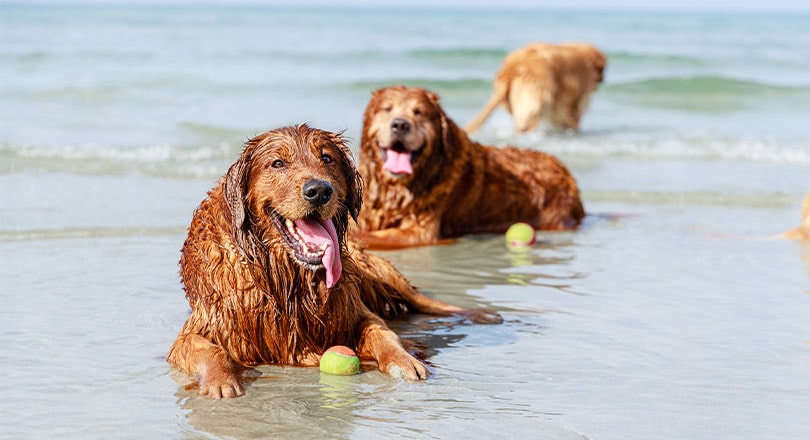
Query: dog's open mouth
[314,243]
[398,159]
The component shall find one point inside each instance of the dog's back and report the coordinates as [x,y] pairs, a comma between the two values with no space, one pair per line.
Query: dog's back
[506,185]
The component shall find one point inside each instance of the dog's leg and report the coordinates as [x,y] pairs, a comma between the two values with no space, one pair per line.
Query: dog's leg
[564,113]
[198,356]
[378,342]
[529,99]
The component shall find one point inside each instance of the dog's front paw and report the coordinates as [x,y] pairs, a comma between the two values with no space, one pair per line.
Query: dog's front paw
[221,385]
[481,316]
[407,367]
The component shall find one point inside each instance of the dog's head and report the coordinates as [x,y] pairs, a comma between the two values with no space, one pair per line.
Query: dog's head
[405,128]
[294,189]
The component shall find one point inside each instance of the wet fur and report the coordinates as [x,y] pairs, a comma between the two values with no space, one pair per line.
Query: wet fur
[458,186]
[253,303]
[545,81]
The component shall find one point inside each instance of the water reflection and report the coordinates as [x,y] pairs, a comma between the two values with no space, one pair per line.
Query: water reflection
[279,403]
[518,256]
[338,391]
[306,403]
[478,261]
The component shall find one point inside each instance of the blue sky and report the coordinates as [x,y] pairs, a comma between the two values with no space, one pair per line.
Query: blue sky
[676,5]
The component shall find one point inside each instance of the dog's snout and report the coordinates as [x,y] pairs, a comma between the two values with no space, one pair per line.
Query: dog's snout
[400,126]
[317,191]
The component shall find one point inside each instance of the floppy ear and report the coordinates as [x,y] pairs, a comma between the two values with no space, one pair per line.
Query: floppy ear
[450,133]
[434,98]
[354,190]
[375,93]
[449,128]
[235,188]
[354,197]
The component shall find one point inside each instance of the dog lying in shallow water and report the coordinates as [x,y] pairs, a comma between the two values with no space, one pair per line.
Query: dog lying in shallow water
[271,279]
[427,181]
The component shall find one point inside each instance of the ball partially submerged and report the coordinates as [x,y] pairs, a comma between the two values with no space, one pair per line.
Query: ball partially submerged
[340,360]
[520,234]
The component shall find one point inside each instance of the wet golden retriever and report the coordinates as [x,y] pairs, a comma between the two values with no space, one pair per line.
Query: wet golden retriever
[426,181]
[545,81]
[270,278]
[803,231]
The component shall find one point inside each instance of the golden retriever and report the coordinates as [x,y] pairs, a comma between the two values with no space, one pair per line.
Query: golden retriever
[426,181]
[545,81]
[270,278]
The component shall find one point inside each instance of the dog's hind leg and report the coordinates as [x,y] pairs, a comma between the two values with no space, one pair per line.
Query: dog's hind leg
[528,100]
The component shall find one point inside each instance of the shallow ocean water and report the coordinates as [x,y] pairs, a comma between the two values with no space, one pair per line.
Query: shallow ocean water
[670,314]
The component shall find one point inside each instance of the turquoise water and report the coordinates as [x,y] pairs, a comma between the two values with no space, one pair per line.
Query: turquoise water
[669,317]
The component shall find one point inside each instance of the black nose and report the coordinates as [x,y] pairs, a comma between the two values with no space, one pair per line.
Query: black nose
[400,126]
[317,191]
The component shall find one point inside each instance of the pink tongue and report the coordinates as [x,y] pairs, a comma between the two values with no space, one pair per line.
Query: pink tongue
[316,233]
[398,162]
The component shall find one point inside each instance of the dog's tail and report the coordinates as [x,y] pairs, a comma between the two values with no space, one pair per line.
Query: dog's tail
[498,97]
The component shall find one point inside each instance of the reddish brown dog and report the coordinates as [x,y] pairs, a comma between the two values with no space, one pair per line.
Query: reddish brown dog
[426,181]
[270,278]
[545,81]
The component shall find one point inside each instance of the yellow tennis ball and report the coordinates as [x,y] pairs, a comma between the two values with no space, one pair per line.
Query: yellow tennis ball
[340,360]
[520,234]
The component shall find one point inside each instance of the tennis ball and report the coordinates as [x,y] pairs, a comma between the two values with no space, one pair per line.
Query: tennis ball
[340,360]
[520,234]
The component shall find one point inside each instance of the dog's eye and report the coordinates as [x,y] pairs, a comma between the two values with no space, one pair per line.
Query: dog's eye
[327,158]
[387,108]
[278,163]
[417,112]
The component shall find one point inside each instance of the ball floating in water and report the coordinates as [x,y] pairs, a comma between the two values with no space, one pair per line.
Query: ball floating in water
[520,234]
[340,360]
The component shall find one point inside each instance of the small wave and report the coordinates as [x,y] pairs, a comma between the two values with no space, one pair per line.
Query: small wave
[703,85]
[455,55]
[163,160]
[211,131]
[210,161]
[655,59]
[436,84]
[98,94]
[87,232]
[704,93]
[708,198]
[657,146]
[34,56]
